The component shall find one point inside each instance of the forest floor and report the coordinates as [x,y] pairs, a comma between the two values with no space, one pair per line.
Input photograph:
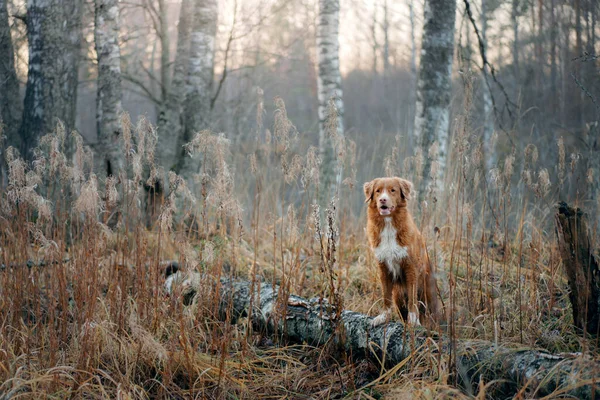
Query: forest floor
[90,317]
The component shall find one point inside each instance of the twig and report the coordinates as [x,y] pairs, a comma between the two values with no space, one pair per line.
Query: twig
[140,84]
[586,57]
[509,102]
[588,94]
[224,74]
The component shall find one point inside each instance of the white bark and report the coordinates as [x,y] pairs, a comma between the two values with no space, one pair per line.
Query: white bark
[110,156]
[170,128]
[200,77]
[54,36]
[10,106]
[329,85]
[432,119]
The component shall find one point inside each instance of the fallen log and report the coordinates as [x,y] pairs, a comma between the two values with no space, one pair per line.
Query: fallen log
[580,266]
[527,371]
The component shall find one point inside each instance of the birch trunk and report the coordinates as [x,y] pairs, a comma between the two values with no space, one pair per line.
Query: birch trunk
[565,64]
[374,44]
[200,79]
[170,128]
[110,157]
[164,49]
[54,36]
[578,95]
[10,104]
[413,72]
[34,110]
[329,86]
[488,118]
[517,371]
[432,119]
[386,39]
[68,72]
[553,67]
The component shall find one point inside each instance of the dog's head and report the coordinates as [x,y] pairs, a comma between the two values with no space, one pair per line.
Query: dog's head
[387,194]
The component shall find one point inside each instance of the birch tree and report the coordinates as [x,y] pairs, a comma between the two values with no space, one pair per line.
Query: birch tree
[386,39]
[413,68]
[329,86]
[432,118]
[488,120]
[34,111]
[169,123]
[200,77]
[10,110]
[109,158]
[514,19]
[54,36]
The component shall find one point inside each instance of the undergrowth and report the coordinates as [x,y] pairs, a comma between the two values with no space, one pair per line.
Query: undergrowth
[83,311]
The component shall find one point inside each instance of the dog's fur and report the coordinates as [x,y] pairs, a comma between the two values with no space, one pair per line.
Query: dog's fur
[404,266]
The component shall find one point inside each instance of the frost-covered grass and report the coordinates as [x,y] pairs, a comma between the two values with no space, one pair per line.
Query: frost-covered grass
[95,322]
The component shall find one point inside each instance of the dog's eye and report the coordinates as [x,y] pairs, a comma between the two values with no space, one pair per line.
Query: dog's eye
[378,190]
[393,190]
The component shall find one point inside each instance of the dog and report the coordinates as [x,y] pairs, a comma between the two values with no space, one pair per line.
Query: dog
[404,267]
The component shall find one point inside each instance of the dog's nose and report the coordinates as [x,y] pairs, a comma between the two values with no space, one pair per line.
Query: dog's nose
[383,200]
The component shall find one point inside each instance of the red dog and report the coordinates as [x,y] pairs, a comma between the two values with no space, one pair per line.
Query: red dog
[400,250]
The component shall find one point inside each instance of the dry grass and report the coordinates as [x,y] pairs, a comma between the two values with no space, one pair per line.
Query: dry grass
[91,319]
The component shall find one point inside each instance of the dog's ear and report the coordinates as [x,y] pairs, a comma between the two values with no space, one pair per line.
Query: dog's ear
[405,187]
[368,188]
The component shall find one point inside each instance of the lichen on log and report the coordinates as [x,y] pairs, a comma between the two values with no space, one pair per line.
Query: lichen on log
[528,371]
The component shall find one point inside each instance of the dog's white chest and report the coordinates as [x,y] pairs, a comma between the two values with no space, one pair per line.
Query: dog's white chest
[389,251]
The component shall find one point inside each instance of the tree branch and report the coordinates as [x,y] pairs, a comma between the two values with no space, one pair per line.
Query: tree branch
[224,74]
[486,63]
[147,92]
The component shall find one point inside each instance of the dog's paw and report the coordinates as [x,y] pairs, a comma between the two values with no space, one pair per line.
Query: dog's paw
[413,319]
[381,318]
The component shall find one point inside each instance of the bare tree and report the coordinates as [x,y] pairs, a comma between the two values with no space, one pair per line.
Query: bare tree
[413,67]
[108,102]
[386,39]
[329,85]
[488,119]
[54,36]
[164,49]
[200,77]
[514,18]
[432,118]
[374,42]
[170,127]
[10,106]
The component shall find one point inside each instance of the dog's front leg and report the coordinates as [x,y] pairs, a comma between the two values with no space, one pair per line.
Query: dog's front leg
[413,309]
[387,286]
